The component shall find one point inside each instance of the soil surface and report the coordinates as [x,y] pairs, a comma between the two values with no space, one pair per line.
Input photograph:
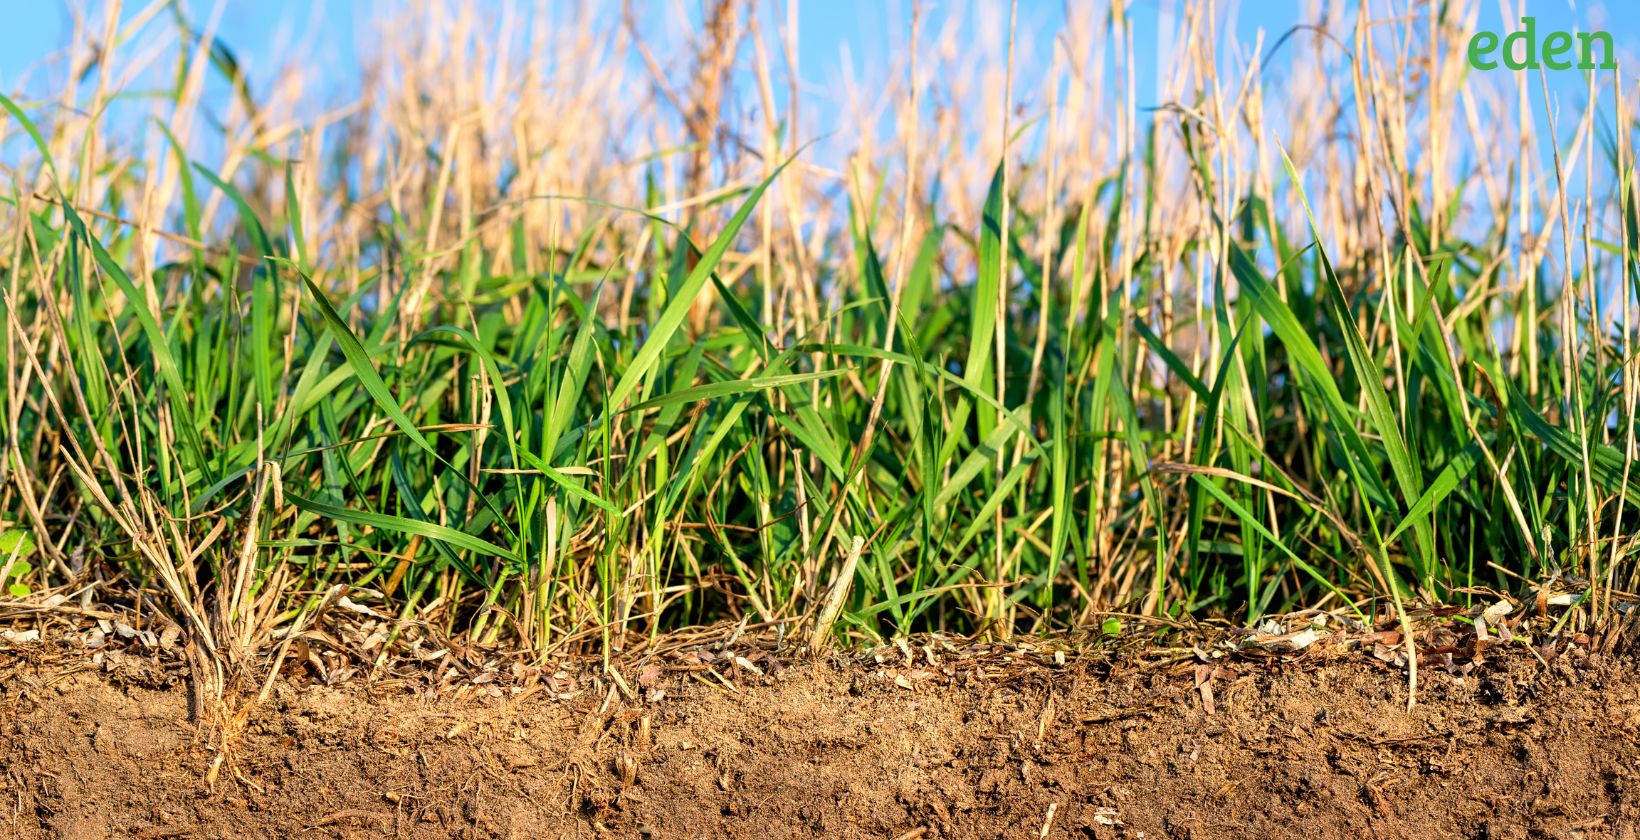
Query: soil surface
[903,746]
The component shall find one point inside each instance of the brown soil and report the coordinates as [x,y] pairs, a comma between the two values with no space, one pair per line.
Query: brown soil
[1297,749]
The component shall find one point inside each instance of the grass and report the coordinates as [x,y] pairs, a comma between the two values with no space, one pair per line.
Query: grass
[520,346]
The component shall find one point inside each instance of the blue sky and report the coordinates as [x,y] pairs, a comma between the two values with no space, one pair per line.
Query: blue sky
[866,32]
[859,39]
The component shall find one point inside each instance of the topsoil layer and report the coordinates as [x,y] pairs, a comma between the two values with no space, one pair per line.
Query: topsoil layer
[1518,748]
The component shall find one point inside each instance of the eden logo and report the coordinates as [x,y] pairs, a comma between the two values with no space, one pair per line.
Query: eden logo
[1556,46]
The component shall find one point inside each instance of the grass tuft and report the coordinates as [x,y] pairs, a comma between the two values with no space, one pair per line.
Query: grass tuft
[451,344]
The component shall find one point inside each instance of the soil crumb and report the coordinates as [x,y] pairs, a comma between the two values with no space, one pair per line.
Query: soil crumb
[1516,749]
